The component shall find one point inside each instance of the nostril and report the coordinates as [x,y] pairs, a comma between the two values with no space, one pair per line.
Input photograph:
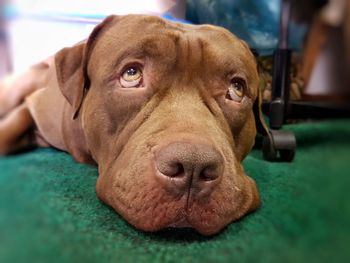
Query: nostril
[174,169]
[209,173]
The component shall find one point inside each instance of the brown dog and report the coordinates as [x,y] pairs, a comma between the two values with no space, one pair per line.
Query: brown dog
[167,111]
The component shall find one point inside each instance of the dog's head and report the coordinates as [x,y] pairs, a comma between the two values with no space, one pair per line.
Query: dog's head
[169,111]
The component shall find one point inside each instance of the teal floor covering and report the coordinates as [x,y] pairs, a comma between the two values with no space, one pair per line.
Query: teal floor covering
[49,211]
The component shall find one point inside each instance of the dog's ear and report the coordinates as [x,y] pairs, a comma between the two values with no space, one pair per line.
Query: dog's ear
[70,74]
[260,124]
[71,66]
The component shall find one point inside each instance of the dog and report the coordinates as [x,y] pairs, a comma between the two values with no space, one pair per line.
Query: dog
[167,111]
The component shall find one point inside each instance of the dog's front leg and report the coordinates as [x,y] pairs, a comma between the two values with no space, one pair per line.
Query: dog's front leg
[17,131]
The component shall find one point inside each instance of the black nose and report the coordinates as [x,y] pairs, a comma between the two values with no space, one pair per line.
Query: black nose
[187,166]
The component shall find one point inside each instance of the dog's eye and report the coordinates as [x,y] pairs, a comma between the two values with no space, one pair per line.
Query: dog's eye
[236,90]
[131,77]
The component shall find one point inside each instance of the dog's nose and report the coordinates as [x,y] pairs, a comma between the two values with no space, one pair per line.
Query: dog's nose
[187,166]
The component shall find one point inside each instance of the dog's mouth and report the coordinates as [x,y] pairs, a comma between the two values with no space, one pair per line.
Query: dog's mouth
[154,209]
[189,220]
[182,223]
[150,208]
[205,194]
[207,217]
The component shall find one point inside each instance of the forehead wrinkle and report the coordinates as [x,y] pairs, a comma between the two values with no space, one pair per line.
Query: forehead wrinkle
[136,26]
[230,57]
[196,50]
[189,56]
[116,49]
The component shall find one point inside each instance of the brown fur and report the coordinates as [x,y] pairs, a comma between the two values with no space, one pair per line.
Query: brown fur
[81,108]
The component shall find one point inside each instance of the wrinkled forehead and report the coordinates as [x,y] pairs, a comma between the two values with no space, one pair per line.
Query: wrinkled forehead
[147,36]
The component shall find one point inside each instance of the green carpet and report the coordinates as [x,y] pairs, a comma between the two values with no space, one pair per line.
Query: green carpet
[49,211]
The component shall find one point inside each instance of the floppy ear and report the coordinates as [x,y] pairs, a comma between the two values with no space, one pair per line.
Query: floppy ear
[71,66]
[70,75]
[260,124]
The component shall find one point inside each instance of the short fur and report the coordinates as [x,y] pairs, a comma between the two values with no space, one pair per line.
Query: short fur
[74,102]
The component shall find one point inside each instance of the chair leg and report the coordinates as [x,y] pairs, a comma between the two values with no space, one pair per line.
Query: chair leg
[280,145]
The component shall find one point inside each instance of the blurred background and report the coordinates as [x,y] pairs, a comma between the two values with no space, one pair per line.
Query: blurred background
[31,30]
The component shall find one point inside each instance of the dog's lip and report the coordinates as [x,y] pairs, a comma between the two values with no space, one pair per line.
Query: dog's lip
[187,219]
[187,222]
[181,223]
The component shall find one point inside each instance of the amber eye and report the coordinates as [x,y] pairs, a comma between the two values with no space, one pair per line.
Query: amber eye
[236,90]
[131,77]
